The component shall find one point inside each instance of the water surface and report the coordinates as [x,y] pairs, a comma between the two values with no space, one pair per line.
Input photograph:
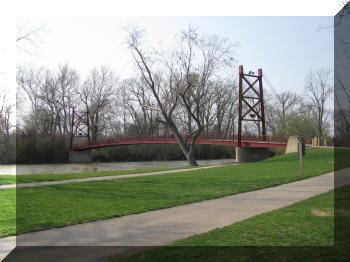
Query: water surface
[107,166]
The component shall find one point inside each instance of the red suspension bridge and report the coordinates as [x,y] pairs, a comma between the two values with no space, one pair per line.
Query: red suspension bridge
[204,139]
[250,108]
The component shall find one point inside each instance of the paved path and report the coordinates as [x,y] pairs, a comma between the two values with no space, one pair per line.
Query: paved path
[163,226]
[88,179]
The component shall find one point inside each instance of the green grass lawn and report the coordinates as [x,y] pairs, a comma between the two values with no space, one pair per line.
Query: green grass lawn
[8,211]
[11,179]
[40,208]
[309,224]
[342,158]
[7,179]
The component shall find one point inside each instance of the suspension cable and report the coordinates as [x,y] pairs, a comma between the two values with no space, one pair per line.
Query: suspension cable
[271,87]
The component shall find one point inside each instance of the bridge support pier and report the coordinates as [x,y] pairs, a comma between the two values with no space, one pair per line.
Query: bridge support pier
[292,145]
[80,156]
[252,154]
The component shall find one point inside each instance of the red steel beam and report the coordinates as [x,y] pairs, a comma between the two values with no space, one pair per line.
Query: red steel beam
[246,143]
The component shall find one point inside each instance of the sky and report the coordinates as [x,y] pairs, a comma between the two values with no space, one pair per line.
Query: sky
[86,33]
[286,48]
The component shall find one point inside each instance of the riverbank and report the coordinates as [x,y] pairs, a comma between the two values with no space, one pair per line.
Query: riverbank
[55,179]
[63,168]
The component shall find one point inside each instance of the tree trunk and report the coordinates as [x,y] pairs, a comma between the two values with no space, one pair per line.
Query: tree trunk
[191,157]
[187,151]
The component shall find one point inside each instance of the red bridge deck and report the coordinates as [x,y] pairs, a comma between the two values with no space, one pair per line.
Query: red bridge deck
[204,139]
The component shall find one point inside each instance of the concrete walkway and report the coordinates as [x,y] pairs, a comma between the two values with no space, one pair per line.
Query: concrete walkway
[161,227]
[101,178]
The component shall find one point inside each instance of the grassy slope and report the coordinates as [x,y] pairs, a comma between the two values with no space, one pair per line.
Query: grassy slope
[58,205]
[293,225]
[10,179]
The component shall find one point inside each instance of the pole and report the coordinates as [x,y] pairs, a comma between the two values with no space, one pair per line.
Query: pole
[239,142]
[261,98]
[88,125]
[72,130]
[300,153]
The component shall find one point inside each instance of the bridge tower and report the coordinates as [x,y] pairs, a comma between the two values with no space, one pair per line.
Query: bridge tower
[79,134]
[251,108]
[251,99]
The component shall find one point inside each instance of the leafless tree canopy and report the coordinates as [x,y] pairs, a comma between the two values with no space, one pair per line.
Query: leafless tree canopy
[28,37]
[183,92]
[318,90]
[184,80]
[6,112]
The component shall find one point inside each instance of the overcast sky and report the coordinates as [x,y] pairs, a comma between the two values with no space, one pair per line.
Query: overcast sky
[286,48]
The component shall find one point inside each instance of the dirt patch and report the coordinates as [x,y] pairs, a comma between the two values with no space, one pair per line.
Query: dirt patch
[322,213]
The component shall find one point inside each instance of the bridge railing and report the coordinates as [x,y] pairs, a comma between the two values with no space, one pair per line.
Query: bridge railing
[225,137]
[266,139]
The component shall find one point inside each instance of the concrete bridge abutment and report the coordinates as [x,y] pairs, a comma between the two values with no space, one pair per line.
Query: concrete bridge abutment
[252,154]
[292,145]
[80,156]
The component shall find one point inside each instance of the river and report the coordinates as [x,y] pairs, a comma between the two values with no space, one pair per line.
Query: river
[108,166]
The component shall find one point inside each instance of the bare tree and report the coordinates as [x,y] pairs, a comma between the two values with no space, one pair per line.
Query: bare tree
[122,105]
[7,134]
[226,107]
[281,110]
[6,111]
[29,80]
[49,95]
[67,81]
[287,101]
[318,90]
[138,105]
[28,36]
[185,82]
[97,94]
